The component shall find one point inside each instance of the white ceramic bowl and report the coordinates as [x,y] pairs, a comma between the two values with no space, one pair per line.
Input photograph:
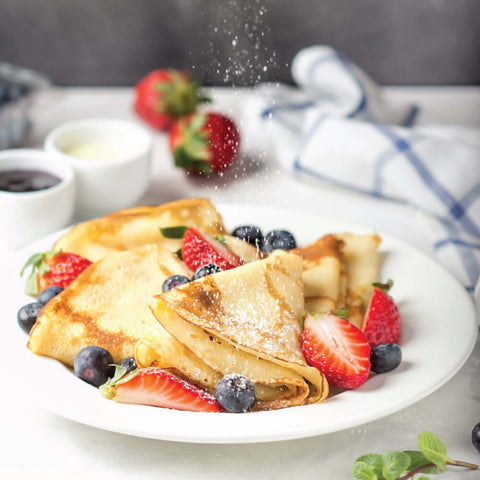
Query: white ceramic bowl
[108,184]
[27,216]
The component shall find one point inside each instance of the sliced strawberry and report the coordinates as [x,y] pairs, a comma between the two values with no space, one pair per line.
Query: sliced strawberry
[199,249]
[156,387]
[337,348]
[382,322]
[53,268]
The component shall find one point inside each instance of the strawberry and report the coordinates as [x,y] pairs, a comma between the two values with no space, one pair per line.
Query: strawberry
[159,388]
[382,321]
[165,95]
[203,143]
[199,249]
[53,268]
[337,348]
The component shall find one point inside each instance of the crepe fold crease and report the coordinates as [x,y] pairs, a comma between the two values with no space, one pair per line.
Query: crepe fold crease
[246,321]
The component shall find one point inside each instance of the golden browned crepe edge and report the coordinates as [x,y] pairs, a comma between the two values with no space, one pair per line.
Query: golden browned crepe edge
[96,238]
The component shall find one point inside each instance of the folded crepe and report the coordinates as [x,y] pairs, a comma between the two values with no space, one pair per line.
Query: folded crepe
[106,306]
[338,271]
[362,264]
[134,227]
[245,320]
[324,274]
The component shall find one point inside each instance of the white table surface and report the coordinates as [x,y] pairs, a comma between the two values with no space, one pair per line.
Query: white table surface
[40,445]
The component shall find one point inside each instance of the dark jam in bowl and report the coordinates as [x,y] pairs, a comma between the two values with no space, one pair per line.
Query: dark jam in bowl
[20,181]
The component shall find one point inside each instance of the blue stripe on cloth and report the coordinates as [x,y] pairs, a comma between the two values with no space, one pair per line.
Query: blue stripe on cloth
[456,241]
[286,107]
[456,209]
[411,116]
[298,166]
[336,56]
[383,160]
[466,254]
[471,196]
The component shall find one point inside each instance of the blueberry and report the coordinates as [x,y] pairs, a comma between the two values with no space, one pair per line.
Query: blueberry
[27,316]
[279,240]
[250,234]
[129,363]
[174,281]
[206,270]
[385,357]
[94,365]
[476,437]
[235,393]
[46,295]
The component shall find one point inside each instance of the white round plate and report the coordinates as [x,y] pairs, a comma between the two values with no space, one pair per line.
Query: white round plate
[438,335]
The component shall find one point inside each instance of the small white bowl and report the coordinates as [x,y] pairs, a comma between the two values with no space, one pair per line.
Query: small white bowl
[119,179]
[27,216]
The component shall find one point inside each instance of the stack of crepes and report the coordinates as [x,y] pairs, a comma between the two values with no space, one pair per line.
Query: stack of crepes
[246,320]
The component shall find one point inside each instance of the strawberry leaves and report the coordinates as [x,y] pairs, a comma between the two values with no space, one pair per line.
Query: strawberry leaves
[38,266]
[395,465]
[119,377]
[192,152]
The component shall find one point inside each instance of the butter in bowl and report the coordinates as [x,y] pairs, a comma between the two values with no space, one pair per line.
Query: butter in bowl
[111,159]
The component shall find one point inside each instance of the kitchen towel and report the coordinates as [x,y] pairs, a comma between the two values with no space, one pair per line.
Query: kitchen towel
[337,127]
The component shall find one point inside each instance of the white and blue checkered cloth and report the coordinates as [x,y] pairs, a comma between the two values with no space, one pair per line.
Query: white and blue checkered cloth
[338,128]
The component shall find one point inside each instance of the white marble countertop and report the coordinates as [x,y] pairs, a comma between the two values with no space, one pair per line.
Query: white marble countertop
[41,445]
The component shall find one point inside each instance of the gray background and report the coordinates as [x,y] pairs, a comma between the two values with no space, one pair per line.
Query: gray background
[228,42]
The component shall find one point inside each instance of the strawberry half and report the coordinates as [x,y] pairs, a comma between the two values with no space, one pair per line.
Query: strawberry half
[203,143]
[337,348]
[53,268]
[382,322]
[199,249]
[163,96]
[156,387]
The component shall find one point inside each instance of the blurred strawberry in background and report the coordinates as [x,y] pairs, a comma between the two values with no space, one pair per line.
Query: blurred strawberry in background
[204,143]
[165,95]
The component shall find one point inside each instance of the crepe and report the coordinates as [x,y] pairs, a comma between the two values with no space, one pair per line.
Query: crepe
[362,266]
[324,274]
[106,306]
[134,227]
[246,320]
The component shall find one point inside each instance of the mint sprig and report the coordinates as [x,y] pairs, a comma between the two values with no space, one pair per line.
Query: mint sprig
[176,232]
[396,465]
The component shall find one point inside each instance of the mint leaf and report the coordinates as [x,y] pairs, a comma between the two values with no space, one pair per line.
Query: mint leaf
[394,464]
[374,460]
[174,232]
[178,253]
[418,460]
[433,449]
[221,239]
[363,471]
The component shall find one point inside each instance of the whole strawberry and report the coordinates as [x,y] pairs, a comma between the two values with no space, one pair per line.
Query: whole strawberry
[203,143]
[53,268]
[382,322]
[166,95]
